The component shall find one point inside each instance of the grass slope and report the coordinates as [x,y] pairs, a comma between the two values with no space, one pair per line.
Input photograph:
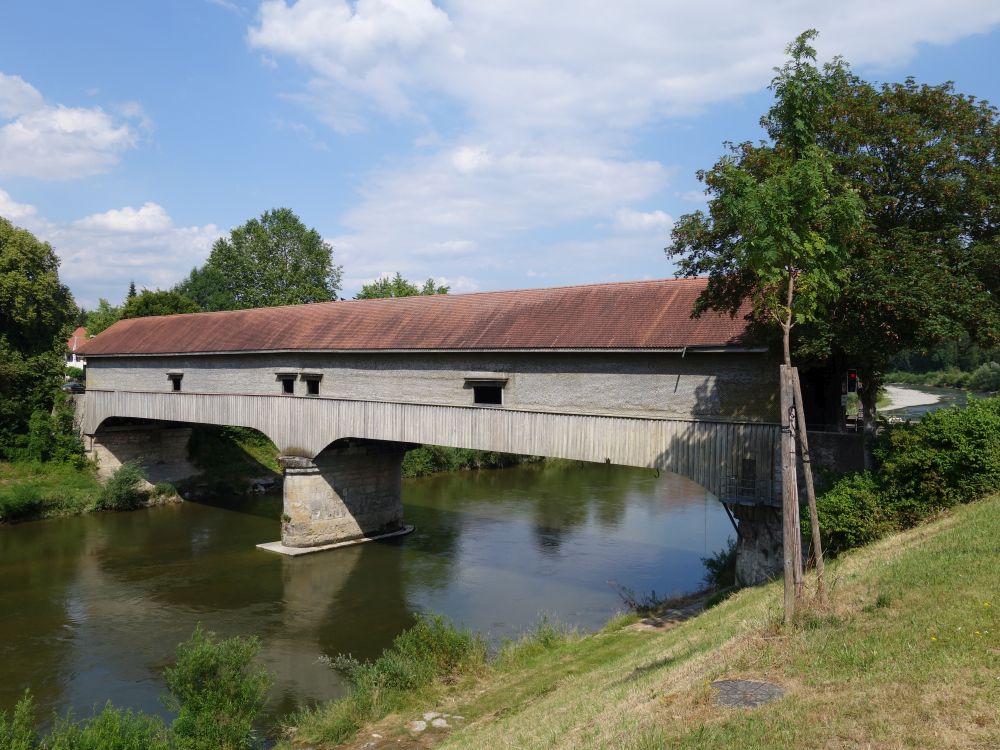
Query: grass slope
[906,655]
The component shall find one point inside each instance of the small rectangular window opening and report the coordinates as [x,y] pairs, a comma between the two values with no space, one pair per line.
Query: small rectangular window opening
[487,394]
[288,386]
[312,387]
[175,381]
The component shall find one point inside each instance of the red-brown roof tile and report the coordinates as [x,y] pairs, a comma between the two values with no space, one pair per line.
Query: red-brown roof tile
[76,339]
[626,315]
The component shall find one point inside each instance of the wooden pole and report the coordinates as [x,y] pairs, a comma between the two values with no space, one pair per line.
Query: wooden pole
[790,539]
[817,544]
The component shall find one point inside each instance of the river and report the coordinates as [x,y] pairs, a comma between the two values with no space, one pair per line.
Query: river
[91,608]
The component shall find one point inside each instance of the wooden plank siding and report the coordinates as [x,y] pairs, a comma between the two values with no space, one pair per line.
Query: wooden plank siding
[714,454]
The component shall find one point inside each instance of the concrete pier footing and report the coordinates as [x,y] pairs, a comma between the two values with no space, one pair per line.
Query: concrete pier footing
[350,491]
[759,556]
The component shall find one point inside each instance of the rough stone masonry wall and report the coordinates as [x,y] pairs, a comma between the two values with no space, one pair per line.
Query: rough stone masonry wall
[353,489]
[163,451]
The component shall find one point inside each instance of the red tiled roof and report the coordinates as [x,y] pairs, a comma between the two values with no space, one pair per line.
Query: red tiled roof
[626,315]
[76,339]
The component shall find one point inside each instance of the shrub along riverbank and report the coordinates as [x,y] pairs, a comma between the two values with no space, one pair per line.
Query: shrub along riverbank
[986,377]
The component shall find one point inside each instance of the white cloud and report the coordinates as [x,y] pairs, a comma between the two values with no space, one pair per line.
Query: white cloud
[103,252]
[56,142]
[585,65]
[14,211]
[628,220]
[151,218]
[552,97]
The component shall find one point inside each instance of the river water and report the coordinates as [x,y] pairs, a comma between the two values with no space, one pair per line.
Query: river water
[91,608]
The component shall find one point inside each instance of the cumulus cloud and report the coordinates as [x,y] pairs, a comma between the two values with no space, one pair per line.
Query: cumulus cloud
[13,211]
[103,252]
[56,142]
[586,65]
[150,218]
[627,220]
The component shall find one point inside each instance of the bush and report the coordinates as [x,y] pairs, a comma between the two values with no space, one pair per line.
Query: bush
[720,568]
[112,729]
[851,514]
[217,691]
[18,502]
[124,489]
[432,459]
[51,435]
[19,733]
[430,650]
[951,456]
[986,377]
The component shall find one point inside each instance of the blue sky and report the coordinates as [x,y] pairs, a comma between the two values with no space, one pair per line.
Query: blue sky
[490,145]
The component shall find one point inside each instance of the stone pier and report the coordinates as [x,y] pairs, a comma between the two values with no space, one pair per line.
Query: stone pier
[759,557]
[350,492]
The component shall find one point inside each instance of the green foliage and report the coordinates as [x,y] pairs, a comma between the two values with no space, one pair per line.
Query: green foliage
[36,490]
[720,567]
[273,260]
[74,373]
[432,459]
[147,303]
[986,377]
[430,650]
[397,286]
[20,502]
[851,514]
[217,691]
[951,456]
[780,218]
[123,490]
[111,729]
[36,313]
[105,316]
[18,733]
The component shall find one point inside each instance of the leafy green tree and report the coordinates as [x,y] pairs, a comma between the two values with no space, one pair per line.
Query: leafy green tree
[36,313]
[397,286]
[147,303]
[207,287]
[779,217]
[926,269]
[105,316]
[273,260]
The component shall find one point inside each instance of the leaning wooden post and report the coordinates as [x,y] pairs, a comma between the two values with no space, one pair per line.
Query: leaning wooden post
[817,544]
[790,539]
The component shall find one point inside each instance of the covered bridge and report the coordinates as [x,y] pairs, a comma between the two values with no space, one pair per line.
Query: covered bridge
[617,373]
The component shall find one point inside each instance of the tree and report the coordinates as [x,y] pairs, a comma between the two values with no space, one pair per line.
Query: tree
[105,316]
[131,290]
[36,313]
[397,286]
[926,268]
[779,217]
[273,260]
[147,303]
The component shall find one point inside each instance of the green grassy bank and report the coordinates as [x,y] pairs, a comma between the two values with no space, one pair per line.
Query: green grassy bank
[906,654]
[35,489]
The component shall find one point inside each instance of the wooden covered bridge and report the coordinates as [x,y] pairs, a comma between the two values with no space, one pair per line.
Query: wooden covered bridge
[615,373]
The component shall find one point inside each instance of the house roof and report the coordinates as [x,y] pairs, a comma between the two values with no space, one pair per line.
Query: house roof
[638,315]
[76,339]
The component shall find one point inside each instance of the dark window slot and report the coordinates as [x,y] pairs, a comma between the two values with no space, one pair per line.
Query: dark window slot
[288,386]
[487,394]
[312,387]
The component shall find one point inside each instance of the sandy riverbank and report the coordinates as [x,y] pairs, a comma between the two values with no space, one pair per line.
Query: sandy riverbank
[901,397]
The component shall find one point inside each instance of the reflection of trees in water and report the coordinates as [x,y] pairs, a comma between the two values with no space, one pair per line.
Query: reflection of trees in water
[37,571]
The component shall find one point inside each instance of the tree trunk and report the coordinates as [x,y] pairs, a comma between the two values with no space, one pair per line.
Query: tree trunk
[803,436]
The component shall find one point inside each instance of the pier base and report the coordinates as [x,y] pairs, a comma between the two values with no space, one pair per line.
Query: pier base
[351,491]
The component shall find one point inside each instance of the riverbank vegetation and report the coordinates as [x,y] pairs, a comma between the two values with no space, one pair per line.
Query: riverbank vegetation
[986,377]
[904,656]
[215,688]
[950,457]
